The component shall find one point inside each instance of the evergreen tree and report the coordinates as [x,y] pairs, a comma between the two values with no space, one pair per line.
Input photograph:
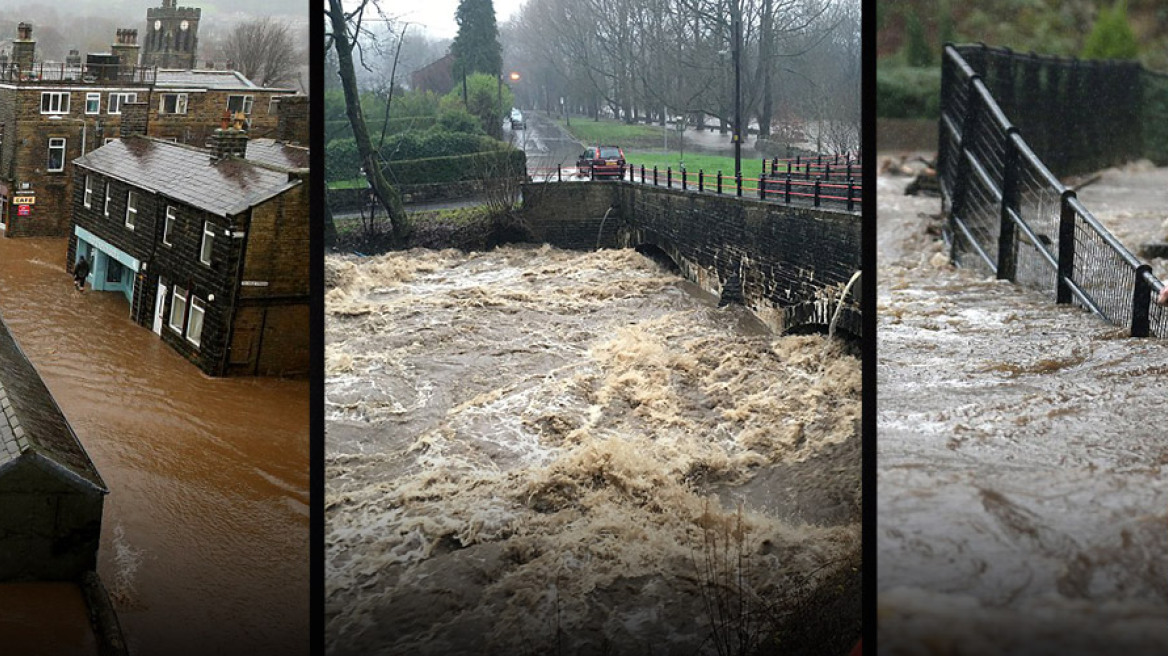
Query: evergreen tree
[1112,36]
[476,47]
[918,52]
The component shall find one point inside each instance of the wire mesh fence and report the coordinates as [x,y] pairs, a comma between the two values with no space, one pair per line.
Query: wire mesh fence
[1007,209]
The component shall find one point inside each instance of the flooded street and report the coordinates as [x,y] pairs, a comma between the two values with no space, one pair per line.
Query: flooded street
[205,534]
[541,451]
[1022,491]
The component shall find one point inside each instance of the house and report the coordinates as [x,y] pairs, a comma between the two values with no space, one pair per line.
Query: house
[51,495]
[51,113]
[437,76]
[210,247]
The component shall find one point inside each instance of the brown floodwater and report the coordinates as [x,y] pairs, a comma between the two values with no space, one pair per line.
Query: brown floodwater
[205,543]
[45,619]
[1022,489]
[532,450]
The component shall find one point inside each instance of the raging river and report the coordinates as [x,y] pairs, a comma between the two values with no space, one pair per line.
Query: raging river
[1022,495]
[531,450]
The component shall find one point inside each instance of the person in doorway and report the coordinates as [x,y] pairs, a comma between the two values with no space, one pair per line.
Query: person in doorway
[80,273]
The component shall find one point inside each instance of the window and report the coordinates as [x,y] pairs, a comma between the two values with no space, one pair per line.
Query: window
[273,105]
[172,103]
[240,104]
[87,200]
[195,321]
[131,208]
[54,102]
[105,209]
[93,103]
[168,227]
[116,100]
[178,309]
[56,155]
[208,239]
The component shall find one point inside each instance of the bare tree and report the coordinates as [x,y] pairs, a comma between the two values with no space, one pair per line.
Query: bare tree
[264,51]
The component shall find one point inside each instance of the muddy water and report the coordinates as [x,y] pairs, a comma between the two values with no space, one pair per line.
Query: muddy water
[540,451]
[1022,490]
[205,534]
[45,619]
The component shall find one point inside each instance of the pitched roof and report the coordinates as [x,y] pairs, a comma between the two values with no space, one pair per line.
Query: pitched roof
[187,174]
[31,424]
[207,79]
[275,153]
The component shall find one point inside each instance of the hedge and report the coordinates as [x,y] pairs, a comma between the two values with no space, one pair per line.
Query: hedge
[508,162]
[341,129]
[908,92]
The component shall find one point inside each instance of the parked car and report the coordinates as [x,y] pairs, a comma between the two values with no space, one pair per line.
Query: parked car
[517,122]
[600,161]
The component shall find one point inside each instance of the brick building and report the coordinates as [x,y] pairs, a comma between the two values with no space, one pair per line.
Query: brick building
[51,113]
[51,495]
[209,246]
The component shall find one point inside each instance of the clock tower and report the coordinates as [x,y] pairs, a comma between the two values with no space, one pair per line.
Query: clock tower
[171,36]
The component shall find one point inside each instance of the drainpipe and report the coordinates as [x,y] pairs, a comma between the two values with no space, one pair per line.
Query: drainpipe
[233,302]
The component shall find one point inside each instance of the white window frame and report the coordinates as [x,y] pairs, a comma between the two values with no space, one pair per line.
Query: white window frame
[61,145]
[122,98]
[248,102]
[131,208]
[55,106]
[177,295]
[208,243]
[180,103]
[105,208]
[167,226]
[95,98]
[195,304]
[273,103]
[87,199]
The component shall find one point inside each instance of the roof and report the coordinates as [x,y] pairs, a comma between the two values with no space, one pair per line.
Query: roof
[187,174]
[206,79]
[31,424]
[276,153]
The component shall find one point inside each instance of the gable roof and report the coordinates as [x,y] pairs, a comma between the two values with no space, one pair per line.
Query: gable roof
[187,174]
[278,154]
[31,424]
[207,79]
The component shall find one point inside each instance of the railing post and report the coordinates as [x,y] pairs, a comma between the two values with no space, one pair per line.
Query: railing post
[642,174]
[827,172]
[762,186]
[787,192]
[654,175]
[817,191]
[701,179]
[669,177]
[738,183]
[851,204]
[961,180]
[719,182]
[1066,258]
[592,171]
[1007,230]
[683,178]
[1142,302]
[559,173]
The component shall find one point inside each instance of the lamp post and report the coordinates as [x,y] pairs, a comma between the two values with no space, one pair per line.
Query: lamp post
[736,18]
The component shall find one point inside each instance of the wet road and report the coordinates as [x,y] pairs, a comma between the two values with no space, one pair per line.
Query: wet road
[205,534]
[1021,491]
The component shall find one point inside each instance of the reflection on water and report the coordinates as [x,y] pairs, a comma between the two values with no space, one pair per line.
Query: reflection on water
[205,532]
[529,449]
[1021,487]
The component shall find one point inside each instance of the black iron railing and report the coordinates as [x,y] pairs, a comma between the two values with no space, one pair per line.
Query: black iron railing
[1006,208]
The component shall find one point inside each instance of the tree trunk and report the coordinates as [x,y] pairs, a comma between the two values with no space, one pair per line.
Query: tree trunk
[384,192]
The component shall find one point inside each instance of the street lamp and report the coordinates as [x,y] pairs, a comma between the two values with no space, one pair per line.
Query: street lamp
[736,17]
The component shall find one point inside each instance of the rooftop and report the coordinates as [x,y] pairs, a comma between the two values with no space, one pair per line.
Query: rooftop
[31,424]
[188,175]
[278,154]
[206,79]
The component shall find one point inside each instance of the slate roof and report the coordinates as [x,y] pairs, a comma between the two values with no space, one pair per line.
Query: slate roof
[275,153]
[187,174]
[31,424]
[204,79]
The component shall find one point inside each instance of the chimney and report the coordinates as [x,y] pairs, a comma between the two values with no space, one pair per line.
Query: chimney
[292,121]
[125,46]
[23,47]
[228,141]
[134,119]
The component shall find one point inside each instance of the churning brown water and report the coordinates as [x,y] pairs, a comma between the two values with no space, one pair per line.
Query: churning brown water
[205,534]
[539,451]
[45,619]
[1022,494]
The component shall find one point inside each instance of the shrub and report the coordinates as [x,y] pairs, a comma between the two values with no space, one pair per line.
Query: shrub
[907,92]
[504,162]
[1111,37]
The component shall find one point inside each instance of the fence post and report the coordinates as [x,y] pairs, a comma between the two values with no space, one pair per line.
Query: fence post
[1066,258]
[738,183]
[851,204]
[701,179]
[817,191]
[719,182]
[654,175]
[968,128]
[787,193]
[683,178]
[827,172]
[1141,302]
[669,177]
[762,186]
[1007,230]
[559,173]
[642,174]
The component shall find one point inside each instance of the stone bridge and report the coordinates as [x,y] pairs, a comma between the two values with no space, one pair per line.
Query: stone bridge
[788,264]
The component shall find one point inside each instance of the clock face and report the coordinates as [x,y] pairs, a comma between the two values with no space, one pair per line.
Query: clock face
[183,25]
[157,25]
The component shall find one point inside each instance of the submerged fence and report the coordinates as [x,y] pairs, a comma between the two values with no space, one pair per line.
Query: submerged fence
[1009,211]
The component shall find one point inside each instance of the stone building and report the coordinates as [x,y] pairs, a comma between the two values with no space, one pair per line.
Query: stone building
[210,247]
[172,38]
[51,495]
[51,113]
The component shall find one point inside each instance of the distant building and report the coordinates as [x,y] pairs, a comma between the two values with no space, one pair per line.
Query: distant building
[172,36]
[437,76]
[51,495]
[210,247]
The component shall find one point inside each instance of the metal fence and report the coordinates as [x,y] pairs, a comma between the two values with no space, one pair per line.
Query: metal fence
[1006,208]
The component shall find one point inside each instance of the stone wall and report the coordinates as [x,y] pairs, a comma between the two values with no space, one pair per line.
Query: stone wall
[786,263]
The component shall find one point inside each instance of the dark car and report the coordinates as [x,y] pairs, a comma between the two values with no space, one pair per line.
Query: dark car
[600,161]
